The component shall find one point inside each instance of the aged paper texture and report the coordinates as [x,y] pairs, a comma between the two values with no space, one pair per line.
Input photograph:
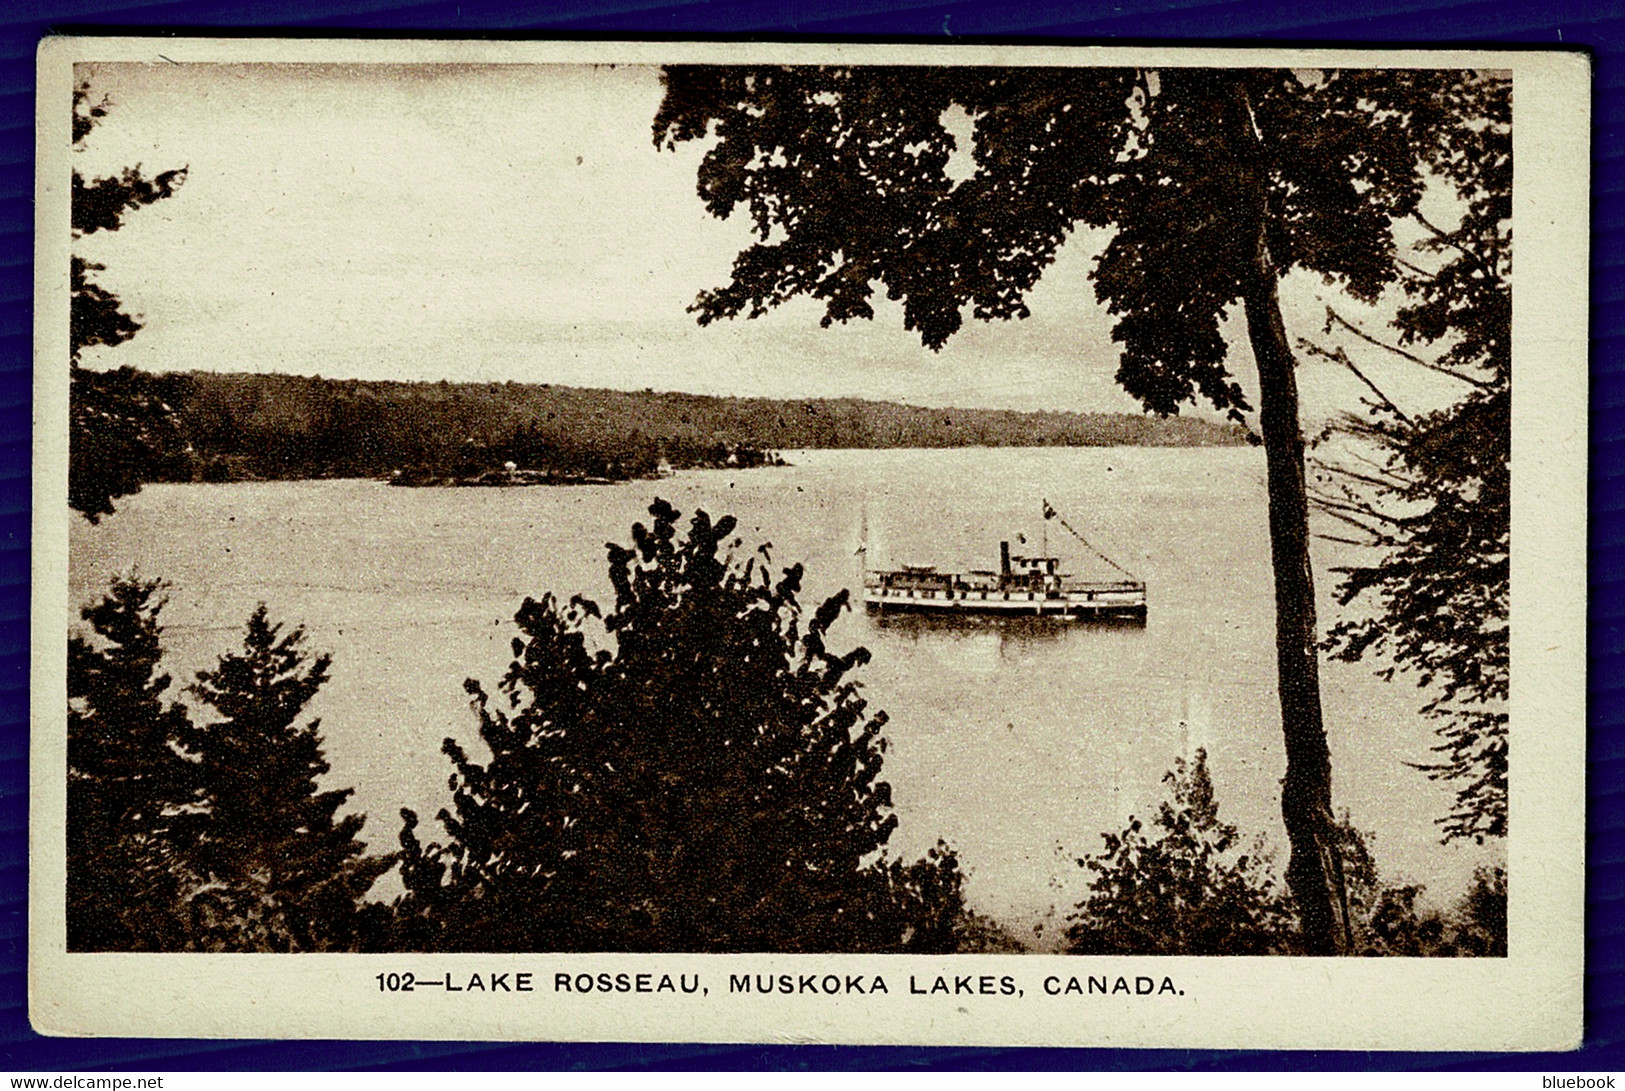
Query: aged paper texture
[1076,573]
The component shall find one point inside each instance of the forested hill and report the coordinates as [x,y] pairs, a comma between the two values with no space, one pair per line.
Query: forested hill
[238,425]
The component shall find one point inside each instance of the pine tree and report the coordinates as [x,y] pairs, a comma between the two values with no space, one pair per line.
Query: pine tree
[284,872]
[709,783]
[118,429]
[132,792]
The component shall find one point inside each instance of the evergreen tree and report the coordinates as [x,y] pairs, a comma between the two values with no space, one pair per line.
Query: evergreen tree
[122,434]
[1186,886]
[117,428]
[709,782]
[283,871]
[132,791]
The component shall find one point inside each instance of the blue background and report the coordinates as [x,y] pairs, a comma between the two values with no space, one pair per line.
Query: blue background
[1594,25]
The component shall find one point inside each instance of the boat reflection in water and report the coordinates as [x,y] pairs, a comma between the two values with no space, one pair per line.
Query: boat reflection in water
[979,642]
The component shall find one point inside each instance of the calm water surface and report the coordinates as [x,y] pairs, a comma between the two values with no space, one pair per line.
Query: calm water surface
[1016,743]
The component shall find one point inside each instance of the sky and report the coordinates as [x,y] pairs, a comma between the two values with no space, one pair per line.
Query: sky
[501,222]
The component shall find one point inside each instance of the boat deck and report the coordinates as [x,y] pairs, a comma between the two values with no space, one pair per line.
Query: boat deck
[1022,586]
[1106,599]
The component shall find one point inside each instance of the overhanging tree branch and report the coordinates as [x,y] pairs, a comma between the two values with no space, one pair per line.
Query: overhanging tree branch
[1214,183]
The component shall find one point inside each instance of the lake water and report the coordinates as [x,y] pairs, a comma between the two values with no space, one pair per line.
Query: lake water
[1018,744]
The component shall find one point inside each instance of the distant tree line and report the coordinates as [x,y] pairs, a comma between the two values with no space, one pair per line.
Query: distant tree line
[694,769]
[236,427]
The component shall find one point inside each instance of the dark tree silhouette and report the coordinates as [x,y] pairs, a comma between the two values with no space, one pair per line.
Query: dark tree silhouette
[1482,928]
[1185,886]
[1218,182]
[1185,883]
[1393,919]
[1431,492]
[121,434]
[131,790]
[709,782]
[283,872]
[117,428]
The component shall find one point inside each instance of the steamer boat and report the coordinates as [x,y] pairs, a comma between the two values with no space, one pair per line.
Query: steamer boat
[1022,587]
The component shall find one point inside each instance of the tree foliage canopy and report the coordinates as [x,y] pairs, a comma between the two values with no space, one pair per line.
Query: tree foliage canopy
[214,837]
[847,176]
[129,785]
[281,868]
[100,204]
[1185,883]
[121,434]
[708,783]
[1186,886]
[117,429]
[1431,492]
[1217,182]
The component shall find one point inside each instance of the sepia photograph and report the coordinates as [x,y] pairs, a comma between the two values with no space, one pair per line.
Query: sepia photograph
[1028,536]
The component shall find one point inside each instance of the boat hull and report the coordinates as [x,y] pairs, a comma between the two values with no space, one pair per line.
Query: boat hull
[1066,607]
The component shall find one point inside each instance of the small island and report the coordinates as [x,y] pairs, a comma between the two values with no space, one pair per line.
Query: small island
[544,468]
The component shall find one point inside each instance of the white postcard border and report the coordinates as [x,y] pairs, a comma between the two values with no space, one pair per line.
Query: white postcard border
[1530,1000]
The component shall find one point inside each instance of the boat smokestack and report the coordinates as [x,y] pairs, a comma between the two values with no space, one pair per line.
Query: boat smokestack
[1004,558]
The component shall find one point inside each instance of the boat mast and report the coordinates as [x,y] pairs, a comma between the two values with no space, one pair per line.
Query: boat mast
[1051,513]
[862,552]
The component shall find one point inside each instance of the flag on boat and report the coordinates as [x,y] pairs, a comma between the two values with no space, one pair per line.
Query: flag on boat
[1049,512]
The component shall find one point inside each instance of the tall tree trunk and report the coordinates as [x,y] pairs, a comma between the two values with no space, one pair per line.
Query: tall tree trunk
[1314,871]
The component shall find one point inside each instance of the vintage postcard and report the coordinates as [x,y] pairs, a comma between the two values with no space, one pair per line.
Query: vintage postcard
[809,543]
